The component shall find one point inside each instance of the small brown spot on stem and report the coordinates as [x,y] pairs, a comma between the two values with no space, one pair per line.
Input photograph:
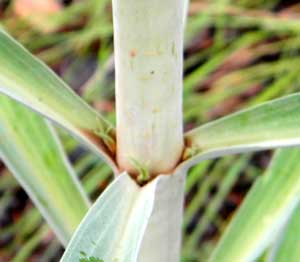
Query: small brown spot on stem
[133,53]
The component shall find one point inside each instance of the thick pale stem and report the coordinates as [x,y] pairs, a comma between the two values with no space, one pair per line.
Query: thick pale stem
[148,53]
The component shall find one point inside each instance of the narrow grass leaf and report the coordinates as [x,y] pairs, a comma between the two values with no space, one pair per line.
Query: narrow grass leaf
[264,212]
[28,80]
[31,150]
[288,247]
[269,125]
[125,223]
[114,227]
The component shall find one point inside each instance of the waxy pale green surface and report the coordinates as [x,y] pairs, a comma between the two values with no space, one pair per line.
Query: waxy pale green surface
[32,151]
[266,209]
[269,125]
[114,227]
[31,82]
[149,70]
[127,223]
[288,248]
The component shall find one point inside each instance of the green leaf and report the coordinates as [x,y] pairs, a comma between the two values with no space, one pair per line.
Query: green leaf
[31,150]
[114,227]
[132,223]
[288,247]
[264,212]
[269,125]
[31,82]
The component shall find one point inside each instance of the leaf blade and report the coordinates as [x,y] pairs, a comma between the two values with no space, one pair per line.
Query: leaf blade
[30,148]
[267,126]
[119,210]
[29,81]
[288,249]
[266,209]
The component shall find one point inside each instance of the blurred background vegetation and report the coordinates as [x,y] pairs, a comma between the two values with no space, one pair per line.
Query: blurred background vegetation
[237,53]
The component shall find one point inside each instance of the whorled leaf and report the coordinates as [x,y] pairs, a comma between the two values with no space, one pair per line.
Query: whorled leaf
[32,151]
[113,228]
[130,223]
[288,248]
[270,125]
[26,79]
[264,212]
